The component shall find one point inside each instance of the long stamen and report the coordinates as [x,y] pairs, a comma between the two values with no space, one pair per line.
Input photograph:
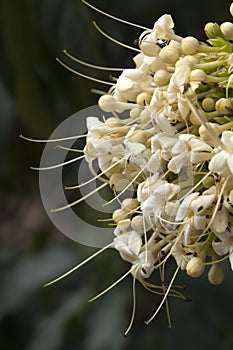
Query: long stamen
[78,266]
[93,179]
[134,306]
[58,165]
[173,293]
[84,75]
[164,298]
[113,17]
[70,149]
[53,140]
[89,64]
[114,40]
[162,274]
[112,285]
[79,200]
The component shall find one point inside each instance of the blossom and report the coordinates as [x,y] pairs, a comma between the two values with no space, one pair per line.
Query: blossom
[188,149]
[222,161]
[225,244]
[174,149]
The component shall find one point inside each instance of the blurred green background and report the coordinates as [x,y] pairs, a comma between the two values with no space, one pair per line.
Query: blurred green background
[36,94]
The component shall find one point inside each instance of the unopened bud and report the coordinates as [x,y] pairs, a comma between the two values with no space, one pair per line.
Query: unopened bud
[162,77]
[213,30]
[209,181]
[119,215]
[216,274]
[189,45]
[208,104]
[118,181]
[224,106]
[107,103]
[143,99]
[140,136]
[169,55]
[207,136]
[135,112]
[197,75]
[227,30]
[129,204]
[231,9]
[137,224]
[195,267]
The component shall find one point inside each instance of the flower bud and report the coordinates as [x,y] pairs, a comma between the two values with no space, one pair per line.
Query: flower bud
[145,117]
[137,224]
[135,113]
[227,30]
[188,60]
[129,204]
[189,45]
[213,30]
[119,182]
[224,106]
[197,75]
[216,274]
[143,99]
[175,44]
[206,136]
[169,55]
[195,267]
[113,122]
[193,119]
[119,215]
[208,104]
[208,182]
[231,9]
[161,77]
[140,136]
[107,103]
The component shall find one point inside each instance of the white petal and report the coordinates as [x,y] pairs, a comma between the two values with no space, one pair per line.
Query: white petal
[199,146]
[163,27]
[220,248]
[202,203]
[184,206]
[93,122]
[135,242]
[218,163]
[199,222]
[176,163]
[154,163]
[230,163]
[227,139]
[220,221]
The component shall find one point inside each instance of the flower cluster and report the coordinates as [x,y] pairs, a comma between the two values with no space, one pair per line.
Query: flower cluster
[168,145]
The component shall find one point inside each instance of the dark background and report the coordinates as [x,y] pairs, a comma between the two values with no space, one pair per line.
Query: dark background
[36,94]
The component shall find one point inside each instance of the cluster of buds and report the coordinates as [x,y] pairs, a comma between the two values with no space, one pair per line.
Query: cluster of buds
[166,152]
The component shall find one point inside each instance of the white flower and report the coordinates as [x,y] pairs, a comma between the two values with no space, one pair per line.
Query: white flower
[225,246]
[222,162]
[128,244]
[189,149]
[179,78]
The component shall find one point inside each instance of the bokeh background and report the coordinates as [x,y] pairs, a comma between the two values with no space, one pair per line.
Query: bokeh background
[36,95]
